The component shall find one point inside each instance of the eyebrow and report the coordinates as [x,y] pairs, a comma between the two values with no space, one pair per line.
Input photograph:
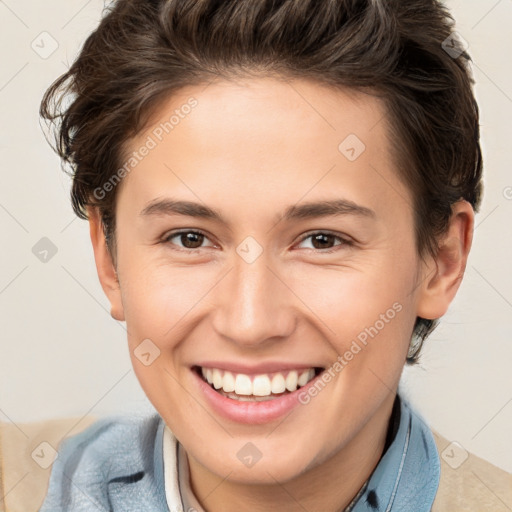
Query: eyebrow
[303,211]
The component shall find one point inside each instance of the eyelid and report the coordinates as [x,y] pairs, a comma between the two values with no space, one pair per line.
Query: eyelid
[325,232]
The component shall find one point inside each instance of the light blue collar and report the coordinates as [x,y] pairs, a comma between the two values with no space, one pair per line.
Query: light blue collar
[407,476]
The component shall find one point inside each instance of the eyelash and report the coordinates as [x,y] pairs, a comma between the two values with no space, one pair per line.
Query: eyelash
[345,242]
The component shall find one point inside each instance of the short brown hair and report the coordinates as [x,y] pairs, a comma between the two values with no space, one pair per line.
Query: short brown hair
[145,50]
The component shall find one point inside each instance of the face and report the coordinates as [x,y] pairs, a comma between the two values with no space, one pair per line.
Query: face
[266,232]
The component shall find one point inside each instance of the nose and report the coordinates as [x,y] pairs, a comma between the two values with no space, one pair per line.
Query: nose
[255,304]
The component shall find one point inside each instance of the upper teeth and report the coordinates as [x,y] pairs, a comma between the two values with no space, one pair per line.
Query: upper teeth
[259,385]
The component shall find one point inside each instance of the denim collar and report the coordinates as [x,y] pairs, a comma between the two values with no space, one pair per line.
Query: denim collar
[407,476]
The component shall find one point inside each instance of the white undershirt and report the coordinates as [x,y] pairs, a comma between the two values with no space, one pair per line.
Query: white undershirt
[181,480]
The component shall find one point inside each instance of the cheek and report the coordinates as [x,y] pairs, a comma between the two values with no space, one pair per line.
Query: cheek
[147,303]
[348,301]
[367,315]
[157,297]
[150,303]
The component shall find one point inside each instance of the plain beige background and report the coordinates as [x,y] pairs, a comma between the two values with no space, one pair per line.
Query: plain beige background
[61,352]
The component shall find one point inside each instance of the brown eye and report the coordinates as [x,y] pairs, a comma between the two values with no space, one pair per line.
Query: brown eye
[326,242]
[186,239]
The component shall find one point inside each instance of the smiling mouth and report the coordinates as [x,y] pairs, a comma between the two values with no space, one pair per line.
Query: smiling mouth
[256,388]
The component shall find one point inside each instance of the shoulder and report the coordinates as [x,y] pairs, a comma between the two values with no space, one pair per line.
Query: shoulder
[112,451]
[108,436]
[468,482]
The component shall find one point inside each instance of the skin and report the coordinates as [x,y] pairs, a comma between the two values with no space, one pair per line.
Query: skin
[249,150]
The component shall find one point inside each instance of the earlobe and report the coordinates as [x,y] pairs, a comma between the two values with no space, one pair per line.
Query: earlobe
[104,265]
[443,274]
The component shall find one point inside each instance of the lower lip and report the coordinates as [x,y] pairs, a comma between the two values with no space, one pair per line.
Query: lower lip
[251,412]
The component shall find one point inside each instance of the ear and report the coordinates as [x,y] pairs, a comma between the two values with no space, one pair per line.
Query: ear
[443,274]
[104,264]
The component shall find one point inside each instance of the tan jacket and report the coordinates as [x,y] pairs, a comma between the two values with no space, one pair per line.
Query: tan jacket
[26,451]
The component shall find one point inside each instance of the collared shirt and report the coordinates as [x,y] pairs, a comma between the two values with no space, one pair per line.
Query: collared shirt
[117,464]
[409,447]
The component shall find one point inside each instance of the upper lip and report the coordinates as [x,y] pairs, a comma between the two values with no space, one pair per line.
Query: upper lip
[254,369]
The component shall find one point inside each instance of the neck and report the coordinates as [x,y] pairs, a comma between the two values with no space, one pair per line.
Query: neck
[330,485]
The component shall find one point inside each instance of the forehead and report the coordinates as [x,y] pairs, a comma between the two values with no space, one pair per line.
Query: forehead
[261,108]
[272,138]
